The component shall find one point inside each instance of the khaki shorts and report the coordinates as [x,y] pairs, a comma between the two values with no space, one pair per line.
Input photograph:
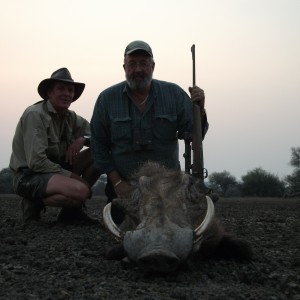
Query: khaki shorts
[31,185]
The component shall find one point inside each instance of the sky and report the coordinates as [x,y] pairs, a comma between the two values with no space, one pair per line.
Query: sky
[246,54]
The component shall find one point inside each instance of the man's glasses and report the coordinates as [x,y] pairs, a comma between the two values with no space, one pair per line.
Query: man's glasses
[133,65]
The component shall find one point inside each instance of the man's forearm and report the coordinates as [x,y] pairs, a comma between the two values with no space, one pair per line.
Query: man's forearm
[114,177]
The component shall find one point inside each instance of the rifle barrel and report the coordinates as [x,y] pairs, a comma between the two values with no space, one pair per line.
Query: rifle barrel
[194,65]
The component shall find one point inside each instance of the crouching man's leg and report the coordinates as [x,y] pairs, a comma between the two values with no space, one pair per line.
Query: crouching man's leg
[70,194]
[51,189]
[84,172]
[32,187]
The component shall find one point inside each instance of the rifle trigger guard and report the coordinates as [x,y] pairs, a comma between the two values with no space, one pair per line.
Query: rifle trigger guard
[205,173]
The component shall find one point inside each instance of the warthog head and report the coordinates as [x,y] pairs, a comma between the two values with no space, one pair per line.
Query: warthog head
[167,219]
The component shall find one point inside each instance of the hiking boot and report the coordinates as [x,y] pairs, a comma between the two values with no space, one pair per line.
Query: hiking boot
[75,215]
[31,210]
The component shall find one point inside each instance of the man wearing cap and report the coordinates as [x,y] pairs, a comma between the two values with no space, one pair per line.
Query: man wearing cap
[140,120]
[49,167]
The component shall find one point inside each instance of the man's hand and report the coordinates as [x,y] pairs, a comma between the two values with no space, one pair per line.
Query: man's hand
[74,150]
[197,96]
[122,187]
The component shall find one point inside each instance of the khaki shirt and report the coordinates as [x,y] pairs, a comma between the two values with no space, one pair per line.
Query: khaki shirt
[42,138]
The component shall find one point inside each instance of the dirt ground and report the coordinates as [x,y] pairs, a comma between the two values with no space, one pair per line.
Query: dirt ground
[51,261]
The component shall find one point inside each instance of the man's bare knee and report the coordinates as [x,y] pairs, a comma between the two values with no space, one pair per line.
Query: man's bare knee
[68,187]
[82,192]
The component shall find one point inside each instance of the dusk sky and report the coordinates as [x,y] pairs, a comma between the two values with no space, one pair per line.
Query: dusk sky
[247,61]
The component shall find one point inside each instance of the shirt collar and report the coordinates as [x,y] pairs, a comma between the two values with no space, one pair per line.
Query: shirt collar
[52,109]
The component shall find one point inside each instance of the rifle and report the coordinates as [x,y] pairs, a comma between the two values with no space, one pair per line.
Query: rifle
[197,167]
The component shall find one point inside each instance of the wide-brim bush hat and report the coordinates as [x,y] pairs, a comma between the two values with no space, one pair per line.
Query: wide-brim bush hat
[62,75]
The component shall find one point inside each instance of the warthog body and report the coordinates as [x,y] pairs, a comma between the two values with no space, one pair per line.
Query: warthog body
[168,220]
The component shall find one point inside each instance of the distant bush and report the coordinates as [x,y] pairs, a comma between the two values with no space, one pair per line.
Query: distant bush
[293,180]
[221,182]
[99,187]
[6,181]
[259,183]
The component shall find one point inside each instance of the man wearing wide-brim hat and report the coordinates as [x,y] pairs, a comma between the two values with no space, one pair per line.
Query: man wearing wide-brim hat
[50,167]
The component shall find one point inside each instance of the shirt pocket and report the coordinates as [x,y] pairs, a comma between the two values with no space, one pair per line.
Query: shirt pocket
[53,146]
[165,127]
[121,130]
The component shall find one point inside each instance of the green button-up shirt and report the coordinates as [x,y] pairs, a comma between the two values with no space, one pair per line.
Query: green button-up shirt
[42,138]
[123,137]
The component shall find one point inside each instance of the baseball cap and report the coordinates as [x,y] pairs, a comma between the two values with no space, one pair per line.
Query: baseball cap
[138,45]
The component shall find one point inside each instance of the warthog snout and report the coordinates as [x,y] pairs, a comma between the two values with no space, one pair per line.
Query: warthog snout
[159,261]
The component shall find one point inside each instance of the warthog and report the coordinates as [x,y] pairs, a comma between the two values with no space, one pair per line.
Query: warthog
[169,220]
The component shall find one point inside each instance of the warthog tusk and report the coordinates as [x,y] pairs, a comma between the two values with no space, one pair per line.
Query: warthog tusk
[205,223]
[109,223]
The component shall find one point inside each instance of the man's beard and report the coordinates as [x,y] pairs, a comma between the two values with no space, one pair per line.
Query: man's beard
[139,84]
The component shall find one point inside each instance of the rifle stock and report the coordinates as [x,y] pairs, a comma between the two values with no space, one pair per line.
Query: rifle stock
[198,164]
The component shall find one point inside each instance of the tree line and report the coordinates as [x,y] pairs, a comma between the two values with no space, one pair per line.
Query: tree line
[256,183]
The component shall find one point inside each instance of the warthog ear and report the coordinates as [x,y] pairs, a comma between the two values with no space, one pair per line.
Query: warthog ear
[195,188]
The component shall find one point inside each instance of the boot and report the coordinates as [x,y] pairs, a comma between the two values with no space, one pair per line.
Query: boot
[75,215]
[31,210]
